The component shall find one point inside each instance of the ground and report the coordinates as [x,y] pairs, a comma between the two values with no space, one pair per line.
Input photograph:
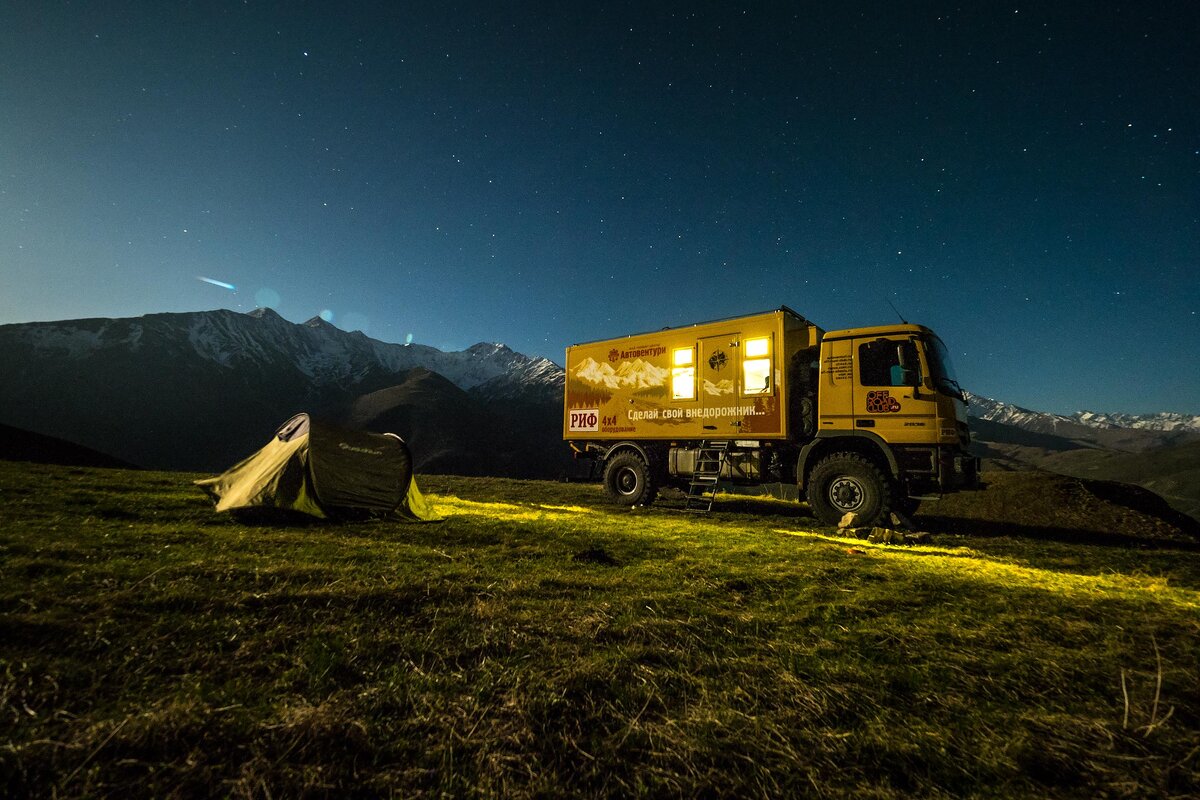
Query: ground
[539,642]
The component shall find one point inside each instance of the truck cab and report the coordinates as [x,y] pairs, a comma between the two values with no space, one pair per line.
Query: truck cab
[886,396]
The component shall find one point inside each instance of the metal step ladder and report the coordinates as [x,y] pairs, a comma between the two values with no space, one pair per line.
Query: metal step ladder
[710,460]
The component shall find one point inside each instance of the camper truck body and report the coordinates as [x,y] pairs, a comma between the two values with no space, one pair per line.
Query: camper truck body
[867,420]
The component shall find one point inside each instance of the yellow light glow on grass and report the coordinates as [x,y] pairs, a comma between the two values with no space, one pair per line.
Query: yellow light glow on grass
[569,509]
[1003,575]
[449,505]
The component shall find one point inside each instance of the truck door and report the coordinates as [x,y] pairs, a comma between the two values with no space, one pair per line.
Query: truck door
[719,384]
[887,402]
[836,392]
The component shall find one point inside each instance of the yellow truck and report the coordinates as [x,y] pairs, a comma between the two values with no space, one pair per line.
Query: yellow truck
[865,420]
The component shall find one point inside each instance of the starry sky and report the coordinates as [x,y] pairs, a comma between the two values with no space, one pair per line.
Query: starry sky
[1024,179]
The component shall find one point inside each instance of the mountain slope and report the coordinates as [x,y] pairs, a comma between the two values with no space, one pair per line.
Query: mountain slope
[1163,455]
[441,423]
[466,433]
[1172,473]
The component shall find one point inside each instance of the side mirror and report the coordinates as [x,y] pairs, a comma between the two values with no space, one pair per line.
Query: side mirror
[910,372]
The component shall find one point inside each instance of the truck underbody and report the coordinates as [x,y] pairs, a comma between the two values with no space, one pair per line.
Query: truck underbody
[883,478]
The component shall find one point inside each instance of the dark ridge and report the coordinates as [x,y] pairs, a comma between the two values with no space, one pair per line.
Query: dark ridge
[17,444]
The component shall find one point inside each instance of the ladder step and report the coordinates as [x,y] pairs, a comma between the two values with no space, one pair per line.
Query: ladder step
[706,476]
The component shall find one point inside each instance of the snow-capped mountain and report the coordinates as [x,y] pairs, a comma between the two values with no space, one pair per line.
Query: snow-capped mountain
[318,350]
[197,390]
[1163,421]
[1043,422]
[1009,414]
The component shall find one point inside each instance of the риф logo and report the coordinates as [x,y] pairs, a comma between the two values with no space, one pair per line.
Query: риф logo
[364,450]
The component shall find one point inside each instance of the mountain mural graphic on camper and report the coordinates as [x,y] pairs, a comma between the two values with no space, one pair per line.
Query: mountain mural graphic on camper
[636,374]
[718,388]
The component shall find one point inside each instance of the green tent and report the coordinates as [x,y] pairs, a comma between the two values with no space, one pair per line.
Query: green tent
[324,471]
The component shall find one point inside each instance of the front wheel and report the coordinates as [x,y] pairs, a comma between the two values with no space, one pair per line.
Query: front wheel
[627,480]
[847,482]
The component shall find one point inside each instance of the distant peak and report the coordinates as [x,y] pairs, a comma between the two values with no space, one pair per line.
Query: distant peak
[264,313]
[318,323]
[487,348]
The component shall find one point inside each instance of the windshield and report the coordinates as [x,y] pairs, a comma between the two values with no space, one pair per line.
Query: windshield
[941,367]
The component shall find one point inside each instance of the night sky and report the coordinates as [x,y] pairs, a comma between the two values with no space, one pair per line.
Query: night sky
[1024,179]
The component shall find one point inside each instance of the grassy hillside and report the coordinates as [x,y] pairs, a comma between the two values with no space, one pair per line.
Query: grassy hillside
[538,643]
[1172,472]
[1165,462]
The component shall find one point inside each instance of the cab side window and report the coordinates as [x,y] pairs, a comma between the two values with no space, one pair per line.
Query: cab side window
[885,362]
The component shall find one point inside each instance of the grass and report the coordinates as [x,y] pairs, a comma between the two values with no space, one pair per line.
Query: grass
[539,643]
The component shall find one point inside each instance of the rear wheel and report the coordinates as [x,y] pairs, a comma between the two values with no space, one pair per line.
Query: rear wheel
[848,482]
[627,480]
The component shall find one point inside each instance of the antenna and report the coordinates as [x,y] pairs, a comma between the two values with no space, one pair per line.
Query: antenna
[898,314]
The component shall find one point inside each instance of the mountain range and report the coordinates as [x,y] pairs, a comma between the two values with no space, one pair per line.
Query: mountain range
[199,391]
[1042,422]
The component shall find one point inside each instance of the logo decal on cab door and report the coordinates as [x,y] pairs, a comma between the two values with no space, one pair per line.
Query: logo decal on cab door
[882,402]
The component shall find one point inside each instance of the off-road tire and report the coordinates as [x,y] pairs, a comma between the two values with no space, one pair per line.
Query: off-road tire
[845,482]
[627,480]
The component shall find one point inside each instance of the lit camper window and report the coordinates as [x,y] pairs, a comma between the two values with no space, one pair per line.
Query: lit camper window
[683,374]
[756,366]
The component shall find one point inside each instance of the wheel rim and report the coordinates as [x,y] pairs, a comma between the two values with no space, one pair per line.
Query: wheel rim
[627,481]
[846,494]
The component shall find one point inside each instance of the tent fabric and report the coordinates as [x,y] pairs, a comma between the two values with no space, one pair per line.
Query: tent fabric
[324,471]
